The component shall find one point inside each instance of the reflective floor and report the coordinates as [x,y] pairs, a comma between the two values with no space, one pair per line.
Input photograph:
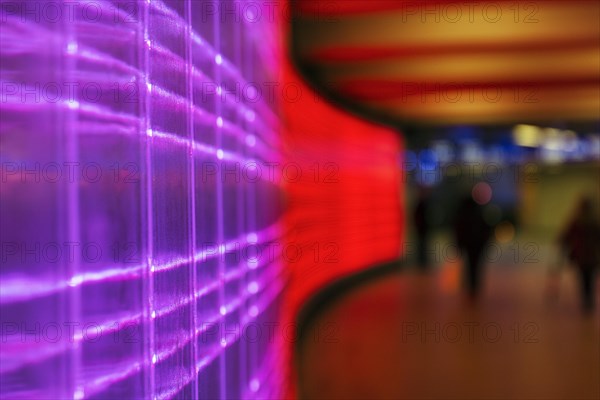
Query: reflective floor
[416,336]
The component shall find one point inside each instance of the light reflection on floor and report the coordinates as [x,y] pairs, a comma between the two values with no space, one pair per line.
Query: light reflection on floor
[415,336]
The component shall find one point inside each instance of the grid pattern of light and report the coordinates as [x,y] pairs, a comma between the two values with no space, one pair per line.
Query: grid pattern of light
[126,214]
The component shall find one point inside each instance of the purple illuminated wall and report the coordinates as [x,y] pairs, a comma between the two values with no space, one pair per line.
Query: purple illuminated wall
[125,127]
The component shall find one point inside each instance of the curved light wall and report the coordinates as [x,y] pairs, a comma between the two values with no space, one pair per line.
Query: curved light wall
[345,210]
[124,211]
[149,204]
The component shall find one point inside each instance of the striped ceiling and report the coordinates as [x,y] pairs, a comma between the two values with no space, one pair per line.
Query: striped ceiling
[454,62]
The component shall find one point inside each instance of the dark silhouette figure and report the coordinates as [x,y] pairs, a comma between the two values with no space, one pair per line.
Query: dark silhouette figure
[581,242]
[422,228]
[472,234]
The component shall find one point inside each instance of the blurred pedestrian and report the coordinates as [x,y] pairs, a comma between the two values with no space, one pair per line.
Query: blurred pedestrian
[472,234]
[581,242]
[422,228]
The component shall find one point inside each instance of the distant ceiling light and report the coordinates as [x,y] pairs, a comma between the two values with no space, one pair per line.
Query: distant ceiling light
[570,141]
[472,152]
[594,146]
[552,155]
[527,135]
[553,140]
[443,150]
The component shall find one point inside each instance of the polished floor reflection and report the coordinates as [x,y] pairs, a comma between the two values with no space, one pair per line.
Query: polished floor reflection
[416,336]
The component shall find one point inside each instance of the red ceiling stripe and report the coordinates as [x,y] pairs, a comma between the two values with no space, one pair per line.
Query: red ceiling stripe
[312,8]
[347,7]
[378,89]
[362,53]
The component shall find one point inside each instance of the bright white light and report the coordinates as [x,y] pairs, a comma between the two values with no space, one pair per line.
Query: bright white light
[154,359]
[253,287]
[153,315]
[72,48]
[218,59]
[197,38]
[73,104]
[149,133]
[250,15]
[79,394]
[220,154]
[553,140]
[219,122]
[223,310]
[253,311]
[75,281]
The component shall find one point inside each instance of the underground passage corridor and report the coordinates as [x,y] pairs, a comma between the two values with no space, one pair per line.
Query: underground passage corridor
[299,199]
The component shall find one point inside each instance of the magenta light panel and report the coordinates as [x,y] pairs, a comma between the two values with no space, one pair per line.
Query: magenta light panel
[131,136]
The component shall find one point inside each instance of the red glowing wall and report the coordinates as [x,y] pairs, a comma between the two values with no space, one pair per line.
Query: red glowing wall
[345,209]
